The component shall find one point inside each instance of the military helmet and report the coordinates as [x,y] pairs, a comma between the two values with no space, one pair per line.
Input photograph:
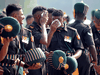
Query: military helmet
[81,8]
[35,55]
[11,27]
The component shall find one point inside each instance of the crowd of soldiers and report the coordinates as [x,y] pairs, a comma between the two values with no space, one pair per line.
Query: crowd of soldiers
[49,30]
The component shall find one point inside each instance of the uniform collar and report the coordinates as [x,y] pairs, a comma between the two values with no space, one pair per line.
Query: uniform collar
[37,27]
[62,28]
[78,21]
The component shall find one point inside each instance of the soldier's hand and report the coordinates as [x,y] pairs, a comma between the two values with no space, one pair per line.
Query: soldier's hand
[26,70]
[54,25]
[7,40]
[35,66]
[48,53]
[94,62]
[97,68]
[44,18]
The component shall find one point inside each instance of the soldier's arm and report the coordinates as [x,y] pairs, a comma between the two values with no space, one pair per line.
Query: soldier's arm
[4,48]
[34,66]
[43,21]
[90,43]
[77,45]
[93,52]
[53,28]
[77,54]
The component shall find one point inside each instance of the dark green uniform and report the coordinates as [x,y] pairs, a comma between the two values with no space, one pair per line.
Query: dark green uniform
[36,32]
[87,40]
[25,36]
[96,36]
[26,41]
[18,47]
[12,54]
[65,39]
[80,11]
[96,32]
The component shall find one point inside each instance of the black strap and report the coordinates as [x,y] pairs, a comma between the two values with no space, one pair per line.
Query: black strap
[20,57]
[70,50]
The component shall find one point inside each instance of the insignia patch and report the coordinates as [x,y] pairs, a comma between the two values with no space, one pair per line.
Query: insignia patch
[32,39]
[25,39]
[67,38]
[78,37]
[89,33]
[31,27]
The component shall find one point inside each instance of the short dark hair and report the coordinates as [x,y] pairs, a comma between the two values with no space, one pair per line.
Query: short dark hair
[38,8]
[29,16]
[50,10]
[57,13]
[12,7]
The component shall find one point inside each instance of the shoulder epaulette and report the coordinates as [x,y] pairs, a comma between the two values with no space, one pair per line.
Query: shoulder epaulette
[27,29]
[71,28]
[31,27]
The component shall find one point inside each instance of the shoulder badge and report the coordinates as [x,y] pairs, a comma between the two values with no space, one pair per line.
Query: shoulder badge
[32,39]
[71,28]
[27,29]
[78,37]
[31,27]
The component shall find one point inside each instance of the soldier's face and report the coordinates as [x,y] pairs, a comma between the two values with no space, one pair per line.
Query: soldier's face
[96,22]
[30,20]
[20,16]
[39,14]
[60,18]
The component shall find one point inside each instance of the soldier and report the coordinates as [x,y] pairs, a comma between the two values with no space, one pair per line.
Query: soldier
[39,32]
[5,45]
[92,17]
[61,38]
[80,10]
[50,11]
[18,45]
[29,20]
[4,42]
[96,32]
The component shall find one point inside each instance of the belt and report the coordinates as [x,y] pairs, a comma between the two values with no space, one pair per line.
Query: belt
[11,56]
[10,63]
[9,60]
